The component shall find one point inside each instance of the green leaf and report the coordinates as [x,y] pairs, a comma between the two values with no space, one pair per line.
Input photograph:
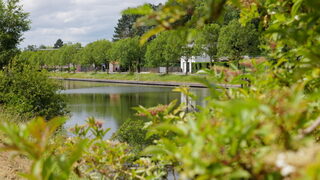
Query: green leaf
[296,6]
[141,10]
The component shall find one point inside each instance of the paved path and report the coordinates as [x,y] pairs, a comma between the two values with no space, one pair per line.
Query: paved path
[152,83]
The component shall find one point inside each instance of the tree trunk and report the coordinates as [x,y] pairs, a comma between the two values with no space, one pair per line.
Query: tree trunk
[167,68]
[211,62]
[138,66]
[187,66]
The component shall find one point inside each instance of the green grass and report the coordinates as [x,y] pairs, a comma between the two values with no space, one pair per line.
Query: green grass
[132,77]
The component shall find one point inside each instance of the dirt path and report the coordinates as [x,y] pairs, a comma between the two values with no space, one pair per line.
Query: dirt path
[10,167]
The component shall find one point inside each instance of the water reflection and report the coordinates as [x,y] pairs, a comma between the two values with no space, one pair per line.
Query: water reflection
[112,103]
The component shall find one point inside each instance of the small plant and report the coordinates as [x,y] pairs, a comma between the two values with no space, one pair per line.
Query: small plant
[35,140]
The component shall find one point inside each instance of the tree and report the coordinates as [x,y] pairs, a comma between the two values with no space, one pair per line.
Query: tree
[129,53]
[207,41]
[230,13]
[164,50]
[68,54]
[100,51]
[42,46]
[58,44]
[126,26]
[13,22]
[31,48]
[96,53]
[236,40]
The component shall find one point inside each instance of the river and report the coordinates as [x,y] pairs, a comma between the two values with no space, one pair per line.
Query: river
[112,103]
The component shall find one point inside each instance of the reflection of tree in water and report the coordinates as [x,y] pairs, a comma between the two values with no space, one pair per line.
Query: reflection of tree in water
[117,106]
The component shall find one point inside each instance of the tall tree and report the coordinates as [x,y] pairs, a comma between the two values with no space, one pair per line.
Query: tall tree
[68,54]
[13,22]
[207,41]
[126,26]
[58,44]
[164,50]
[236,40]
[100,51]
[96,53]
[129,53]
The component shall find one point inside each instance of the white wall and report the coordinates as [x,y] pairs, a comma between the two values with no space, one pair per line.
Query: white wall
[193,59]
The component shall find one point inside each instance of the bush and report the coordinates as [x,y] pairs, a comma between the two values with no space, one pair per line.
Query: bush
[132,132]
[30,92]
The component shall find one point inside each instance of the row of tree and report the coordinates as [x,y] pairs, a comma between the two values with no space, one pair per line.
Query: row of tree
[228,39]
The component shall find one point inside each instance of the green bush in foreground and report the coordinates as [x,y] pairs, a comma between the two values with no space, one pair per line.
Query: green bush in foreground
[27,91]
[85,155]
[133,133]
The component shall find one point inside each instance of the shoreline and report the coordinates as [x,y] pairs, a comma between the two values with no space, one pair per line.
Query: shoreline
[149,83]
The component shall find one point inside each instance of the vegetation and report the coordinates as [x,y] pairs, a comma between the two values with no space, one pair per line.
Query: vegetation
[133,77]
[129,53]
[26,91]
[14,21]
[225,38]
[236,41]
[165,50]
[207,41]
[58,44]
[268,129]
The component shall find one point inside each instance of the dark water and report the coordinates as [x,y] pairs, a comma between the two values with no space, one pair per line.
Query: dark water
[112,103]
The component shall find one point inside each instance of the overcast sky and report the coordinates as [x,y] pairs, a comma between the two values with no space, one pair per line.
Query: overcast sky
[74,20]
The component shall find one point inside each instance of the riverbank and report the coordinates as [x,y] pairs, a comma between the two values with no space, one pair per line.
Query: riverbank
[140,79]
[129,77]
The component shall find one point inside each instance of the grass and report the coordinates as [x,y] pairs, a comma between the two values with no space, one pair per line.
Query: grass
[132,77]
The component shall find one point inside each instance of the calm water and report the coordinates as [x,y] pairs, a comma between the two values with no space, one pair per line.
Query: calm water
[112,103]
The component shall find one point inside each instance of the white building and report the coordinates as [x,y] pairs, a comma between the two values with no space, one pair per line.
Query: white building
[187,66]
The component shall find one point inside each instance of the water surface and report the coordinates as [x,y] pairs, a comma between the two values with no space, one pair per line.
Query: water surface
[112,103]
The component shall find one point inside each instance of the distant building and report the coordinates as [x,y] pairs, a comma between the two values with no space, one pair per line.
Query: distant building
[114,67]
[203,61]
[196,63]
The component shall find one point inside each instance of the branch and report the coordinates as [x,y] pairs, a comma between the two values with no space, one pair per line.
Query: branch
[311,128]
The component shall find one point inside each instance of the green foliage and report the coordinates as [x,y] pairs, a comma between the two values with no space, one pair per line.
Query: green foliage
[268,129]
[95,53]
[26,90]
[235,40]
[258,131]
[292,34]
[125,28]
[69,54]
[126,24]
[58,44]
[13,22]
[129,53]
[133,133]
[207,41]
[102,158]
[34,140]
[164,50]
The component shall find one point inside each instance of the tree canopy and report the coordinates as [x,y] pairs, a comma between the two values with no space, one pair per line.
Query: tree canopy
[207,41]
[129,53]
[236,40]
[58,44]
[164,50]
[13,22]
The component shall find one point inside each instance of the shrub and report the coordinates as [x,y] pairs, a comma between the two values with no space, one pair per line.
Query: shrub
[27,91]
[132,132]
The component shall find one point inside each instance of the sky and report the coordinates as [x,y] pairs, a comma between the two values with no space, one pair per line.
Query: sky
[74,21]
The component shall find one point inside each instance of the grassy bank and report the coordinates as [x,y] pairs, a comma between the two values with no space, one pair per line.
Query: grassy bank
[132,77]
